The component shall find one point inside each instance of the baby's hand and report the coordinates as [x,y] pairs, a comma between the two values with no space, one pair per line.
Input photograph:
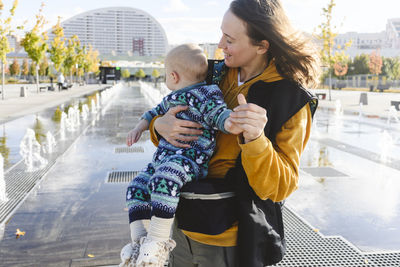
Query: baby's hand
[232,127]
[133,136]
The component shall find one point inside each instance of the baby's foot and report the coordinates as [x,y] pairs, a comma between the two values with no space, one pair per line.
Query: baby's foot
[154,253]
[129,254]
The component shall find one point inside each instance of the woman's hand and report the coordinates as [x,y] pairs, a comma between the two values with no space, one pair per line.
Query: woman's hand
[175,130]
[250,117]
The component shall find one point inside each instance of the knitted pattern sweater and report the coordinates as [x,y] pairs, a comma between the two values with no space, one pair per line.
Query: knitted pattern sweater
[206,106]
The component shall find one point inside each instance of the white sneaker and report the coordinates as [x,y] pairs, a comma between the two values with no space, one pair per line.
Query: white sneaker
[129,254]
[154,253]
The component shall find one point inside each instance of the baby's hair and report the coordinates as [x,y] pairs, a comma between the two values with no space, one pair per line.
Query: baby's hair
[189,61]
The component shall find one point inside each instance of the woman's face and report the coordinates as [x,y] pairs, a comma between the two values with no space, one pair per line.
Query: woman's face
[236,45]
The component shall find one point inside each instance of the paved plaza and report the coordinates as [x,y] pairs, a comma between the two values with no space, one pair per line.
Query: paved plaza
[345,212]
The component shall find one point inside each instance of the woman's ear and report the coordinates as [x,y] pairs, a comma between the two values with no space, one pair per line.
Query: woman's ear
[263,47]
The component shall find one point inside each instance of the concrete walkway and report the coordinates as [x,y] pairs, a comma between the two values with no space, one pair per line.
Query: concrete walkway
[14,106]
[378,103]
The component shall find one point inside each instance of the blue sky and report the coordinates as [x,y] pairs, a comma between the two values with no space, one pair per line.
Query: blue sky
[199,20]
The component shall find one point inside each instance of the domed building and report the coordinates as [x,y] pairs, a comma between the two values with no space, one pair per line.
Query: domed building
[118,31]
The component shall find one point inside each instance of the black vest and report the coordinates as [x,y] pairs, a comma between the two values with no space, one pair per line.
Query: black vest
[261,239]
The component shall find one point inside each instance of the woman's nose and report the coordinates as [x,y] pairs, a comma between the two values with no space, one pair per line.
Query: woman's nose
[221,43]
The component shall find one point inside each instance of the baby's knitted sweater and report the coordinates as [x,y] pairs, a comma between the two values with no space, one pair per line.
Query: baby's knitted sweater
[206,106]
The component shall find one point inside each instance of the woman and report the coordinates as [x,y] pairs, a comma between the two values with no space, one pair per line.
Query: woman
[268,64]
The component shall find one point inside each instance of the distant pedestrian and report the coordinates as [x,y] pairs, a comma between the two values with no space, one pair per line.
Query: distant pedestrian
[60,81]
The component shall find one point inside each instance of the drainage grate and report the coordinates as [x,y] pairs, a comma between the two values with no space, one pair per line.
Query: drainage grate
[324,172]
[121,176]
[135,149]
[307,247]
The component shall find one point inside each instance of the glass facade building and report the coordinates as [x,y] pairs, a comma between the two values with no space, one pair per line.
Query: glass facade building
[117,31]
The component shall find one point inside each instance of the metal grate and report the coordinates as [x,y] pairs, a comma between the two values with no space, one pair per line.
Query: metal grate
[135,149]
[308,247]
[145,135]
[19,182]
[121,176]
[324,172]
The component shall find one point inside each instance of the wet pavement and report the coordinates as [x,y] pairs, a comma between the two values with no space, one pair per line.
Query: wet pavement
[75,216]
[350,180]
[349,183]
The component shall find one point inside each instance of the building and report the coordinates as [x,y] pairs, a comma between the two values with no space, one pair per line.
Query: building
[393,33]
[117,31]
[388,42]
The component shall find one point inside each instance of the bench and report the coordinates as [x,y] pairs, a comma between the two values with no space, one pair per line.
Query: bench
[321,95]
[66,86]
[43,88]
[340,85]
[396,104]
[382,87]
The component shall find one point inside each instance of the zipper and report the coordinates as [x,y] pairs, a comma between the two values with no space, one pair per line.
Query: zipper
[188,195]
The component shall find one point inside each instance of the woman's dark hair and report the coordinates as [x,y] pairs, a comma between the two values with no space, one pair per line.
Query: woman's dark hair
[295,57]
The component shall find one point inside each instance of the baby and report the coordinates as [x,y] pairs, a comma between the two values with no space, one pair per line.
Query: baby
[152,196]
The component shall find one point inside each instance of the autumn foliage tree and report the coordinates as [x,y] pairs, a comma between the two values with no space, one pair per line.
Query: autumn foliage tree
[71,55]
[35,44]
[57,48]
[156,75]
[25,67]
[5,31]
[15,68]
[140,74]
[375,63]
[330,52]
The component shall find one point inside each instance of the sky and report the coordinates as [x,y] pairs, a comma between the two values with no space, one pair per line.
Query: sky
[199,21]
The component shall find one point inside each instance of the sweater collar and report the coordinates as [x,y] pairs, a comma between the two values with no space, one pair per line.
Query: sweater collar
[190,87]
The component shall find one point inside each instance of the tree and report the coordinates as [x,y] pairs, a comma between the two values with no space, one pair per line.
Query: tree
[35,44]
[156,75]
[125,73]
[32,69]
[218,54]
[375,63]
[340,69]
[25,68]
[80,60]
[57,50]
[93,58]
[391,68]
[327,36]
[91,61]
[44,67]
[71,55]
[15,68]
[140,74]
[359,65]
[5,31]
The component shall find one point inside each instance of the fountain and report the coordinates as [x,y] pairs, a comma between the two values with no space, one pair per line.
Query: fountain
[360,112]
[72,121]
[50,143]
[386,144]
[30,152]
[97,101]
[338,107]
[63,125]
[3,195]
[93,106]
[392,115]
[85,112]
